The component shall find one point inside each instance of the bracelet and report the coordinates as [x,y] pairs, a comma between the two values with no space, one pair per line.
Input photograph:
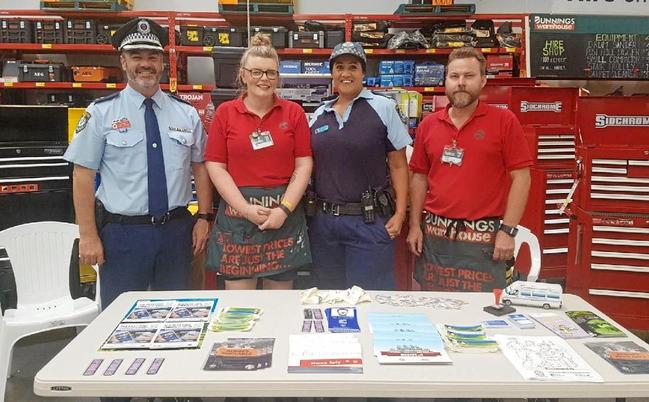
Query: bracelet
[287,204]
[208,217]
[284,208]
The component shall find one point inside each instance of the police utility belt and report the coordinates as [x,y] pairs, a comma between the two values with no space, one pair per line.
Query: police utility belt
[103,217]
[372,202]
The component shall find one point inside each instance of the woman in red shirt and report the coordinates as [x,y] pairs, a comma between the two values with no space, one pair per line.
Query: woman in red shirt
[258,156]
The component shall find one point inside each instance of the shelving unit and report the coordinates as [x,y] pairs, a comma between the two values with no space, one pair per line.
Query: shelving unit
[177,53]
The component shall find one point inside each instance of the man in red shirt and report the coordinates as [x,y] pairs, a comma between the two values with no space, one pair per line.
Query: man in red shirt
[470,165]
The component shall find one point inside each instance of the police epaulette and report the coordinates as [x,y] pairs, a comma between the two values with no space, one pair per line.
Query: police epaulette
[107,97]
[379,93]
[179,99]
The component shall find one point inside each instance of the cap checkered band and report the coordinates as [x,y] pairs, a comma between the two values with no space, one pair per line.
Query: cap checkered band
[352,48]
[139,40]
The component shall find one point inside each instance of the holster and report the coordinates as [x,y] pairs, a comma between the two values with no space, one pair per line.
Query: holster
[100,215]
[385,201]
[310,203]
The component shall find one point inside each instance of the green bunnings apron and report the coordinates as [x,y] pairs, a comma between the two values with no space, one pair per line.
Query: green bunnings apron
[238,249]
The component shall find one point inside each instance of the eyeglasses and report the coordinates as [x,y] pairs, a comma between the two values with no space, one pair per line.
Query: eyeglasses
[257,73]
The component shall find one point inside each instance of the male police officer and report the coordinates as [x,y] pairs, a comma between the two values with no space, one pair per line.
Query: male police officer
[145,144]
[471,167]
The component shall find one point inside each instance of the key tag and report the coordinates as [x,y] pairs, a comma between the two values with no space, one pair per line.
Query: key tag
[261,140]
[452,154]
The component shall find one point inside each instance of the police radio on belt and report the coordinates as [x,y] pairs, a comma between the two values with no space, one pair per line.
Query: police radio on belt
[367,205]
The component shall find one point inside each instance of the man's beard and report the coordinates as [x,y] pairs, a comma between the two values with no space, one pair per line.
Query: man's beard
[464,99]
[146,83]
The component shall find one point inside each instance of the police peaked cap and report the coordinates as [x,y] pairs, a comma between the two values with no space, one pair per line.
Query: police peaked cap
[140,34]
[351,48]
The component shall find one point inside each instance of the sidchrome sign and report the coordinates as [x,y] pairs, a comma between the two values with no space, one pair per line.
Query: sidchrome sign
[541,106]
[604,120]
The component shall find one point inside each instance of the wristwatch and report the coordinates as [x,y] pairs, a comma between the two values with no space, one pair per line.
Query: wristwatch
[510,230]
[207,217]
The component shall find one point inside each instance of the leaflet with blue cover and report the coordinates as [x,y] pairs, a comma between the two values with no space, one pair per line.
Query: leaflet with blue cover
[342,319]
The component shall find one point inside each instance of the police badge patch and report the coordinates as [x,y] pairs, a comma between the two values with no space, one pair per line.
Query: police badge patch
[83,121]
[403,117]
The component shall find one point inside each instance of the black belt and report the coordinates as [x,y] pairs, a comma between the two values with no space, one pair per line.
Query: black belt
[175,213]
[352,208]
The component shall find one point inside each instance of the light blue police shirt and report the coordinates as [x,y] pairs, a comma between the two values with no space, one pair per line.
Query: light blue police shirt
[111,138]
[385,108]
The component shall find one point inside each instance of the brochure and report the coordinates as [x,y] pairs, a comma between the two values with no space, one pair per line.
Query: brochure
[173,335]
[240,319]
[467,338]
[132,336]
[325,353]
[150,310]
[628,357]
[241,354]
[162,324]
[174,309]
[595,325]
[406,339]
[564,327]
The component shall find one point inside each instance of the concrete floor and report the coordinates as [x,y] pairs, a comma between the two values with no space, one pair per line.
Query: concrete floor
[32,353]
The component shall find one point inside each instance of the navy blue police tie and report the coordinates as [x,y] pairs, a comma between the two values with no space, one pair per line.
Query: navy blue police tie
[157,180]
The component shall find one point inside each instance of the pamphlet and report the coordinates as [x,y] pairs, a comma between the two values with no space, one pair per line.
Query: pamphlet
[162,324]
[240,319]
[595,325]
[132,336]
[325,353]
[241,354]
[178,335]
[564,327]
[406,339]
[467,338]
[628,357]
[150,310]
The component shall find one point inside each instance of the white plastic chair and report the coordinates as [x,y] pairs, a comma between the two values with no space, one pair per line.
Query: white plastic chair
[525,236]
[39,254]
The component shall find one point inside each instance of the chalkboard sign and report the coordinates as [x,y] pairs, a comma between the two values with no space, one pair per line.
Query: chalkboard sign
[589,46]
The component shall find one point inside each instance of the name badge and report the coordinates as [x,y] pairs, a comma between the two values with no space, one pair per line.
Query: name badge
[322,129]
[452,155]
[261,140]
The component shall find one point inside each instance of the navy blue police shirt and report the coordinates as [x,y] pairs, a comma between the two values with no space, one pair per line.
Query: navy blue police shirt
[350,153]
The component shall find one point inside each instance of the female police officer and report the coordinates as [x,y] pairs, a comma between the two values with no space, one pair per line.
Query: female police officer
[259,158]
[352,136]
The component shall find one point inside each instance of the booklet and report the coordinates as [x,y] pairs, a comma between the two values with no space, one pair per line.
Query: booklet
[132,336]
[192,310]
[564,327]
[163,324]
[150,310]
[410,350]
[467,338]
[172,335]
[240,319]
[595,325]
[325,353]
[628,357]
[241,354]
[406,339]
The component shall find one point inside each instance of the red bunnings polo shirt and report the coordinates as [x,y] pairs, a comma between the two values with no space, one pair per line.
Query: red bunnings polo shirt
[229,142]
[493,144]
